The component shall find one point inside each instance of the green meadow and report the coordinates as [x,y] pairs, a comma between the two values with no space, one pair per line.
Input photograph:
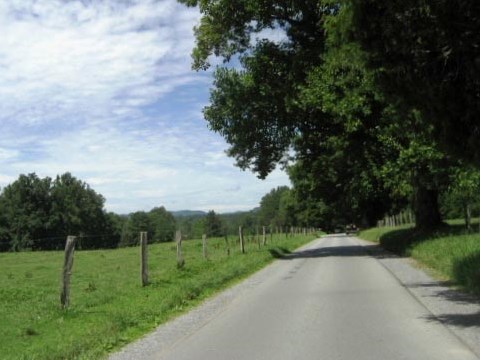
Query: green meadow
[108,306]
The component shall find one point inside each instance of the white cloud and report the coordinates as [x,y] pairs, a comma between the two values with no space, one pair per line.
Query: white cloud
[8,154]
[104,89]
[6,179]
[58,56]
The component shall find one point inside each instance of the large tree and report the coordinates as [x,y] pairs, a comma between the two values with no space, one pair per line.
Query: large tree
[26,208]
[39,213]
[311,92]
[213,225]
[255,108]
[77,210]
[429,53]
[341,157]
[373,154]
[162,224]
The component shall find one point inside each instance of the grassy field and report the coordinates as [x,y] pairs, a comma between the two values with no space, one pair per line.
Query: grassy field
[451,252]
[109,307]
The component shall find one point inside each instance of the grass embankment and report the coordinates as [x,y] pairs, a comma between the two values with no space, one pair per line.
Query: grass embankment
[109,307]
[451,252]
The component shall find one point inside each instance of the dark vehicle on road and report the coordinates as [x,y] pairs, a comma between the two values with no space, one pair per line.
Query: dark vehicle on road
[351,229]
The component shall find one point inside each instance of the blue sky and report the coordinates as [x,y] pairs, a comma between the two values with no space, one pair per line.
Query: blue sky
[104,89]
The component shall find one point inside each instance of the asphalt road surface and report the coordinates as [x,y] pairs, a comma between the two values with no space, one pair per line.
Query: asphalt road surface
[329,301]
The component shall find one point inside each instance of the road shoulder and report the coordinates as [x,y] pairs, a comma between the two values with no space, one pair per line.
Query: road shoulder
[459,312]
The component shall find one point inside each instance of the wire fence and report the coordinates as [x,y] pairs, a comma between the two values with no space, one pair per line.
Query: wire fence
[84,241]
[147,257]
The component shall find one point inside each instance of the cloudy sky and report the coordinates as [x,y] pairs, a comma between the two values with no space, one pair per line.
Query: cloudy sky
[104,89]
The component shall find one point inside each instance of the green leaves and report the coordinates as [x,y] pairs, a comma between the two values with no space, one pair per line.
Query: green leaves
[213,226]
[366,95]
[273,208]
[158,223]
[255,108]
[428,53]
[40,213]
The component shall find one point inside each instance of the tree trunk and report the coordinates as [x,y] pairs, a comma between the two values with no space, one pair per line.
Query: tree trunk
[427,214]
[468,216]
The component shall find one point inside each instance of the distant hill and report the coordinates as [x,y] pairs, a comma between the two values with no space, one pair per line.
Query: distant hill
[188,213]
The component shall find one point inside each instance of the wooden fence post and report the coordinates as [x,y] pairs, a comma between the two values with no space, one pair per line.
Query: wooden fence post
[204,246]
[242,245]
[264,233]
[144,258]
[227,245]
[67,271]
[178,240]
[257,237]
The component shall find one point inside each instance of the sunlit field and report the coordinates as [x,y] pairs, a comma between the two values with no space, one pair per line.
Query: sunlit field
[109,307]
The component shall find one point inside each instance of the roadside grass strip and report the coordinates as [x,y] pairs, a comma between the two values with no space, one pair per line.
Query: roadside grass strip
[451,252]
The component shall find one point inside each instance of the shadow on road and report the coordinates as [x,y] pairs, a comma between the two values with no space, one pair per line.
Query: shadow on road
[436,289]
[470,319]
[440,289]
[462,320]
[332,251]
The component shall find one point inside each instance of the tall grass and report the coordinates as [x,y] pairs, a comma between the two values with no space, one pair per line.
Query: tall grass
[451,251]
[109,307]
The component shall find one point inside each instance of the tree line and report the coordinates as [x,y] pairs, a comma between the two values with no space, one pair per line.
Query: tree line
[39,213]
[274,212]
[371,106]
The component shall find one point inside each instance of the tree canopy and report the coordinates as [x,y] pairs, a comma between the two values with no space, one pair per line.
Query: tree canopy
[213,225]
[365,121]
[158,223]
[255,108]
[429,53]
[39,213]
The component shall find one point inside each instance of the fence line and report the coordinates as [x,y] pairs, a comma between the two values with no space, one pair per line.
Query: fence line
[402,218]
[71,241]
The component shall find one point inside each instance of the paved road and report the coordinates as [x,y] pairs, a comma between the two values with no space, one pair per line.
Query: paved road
[330,301]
